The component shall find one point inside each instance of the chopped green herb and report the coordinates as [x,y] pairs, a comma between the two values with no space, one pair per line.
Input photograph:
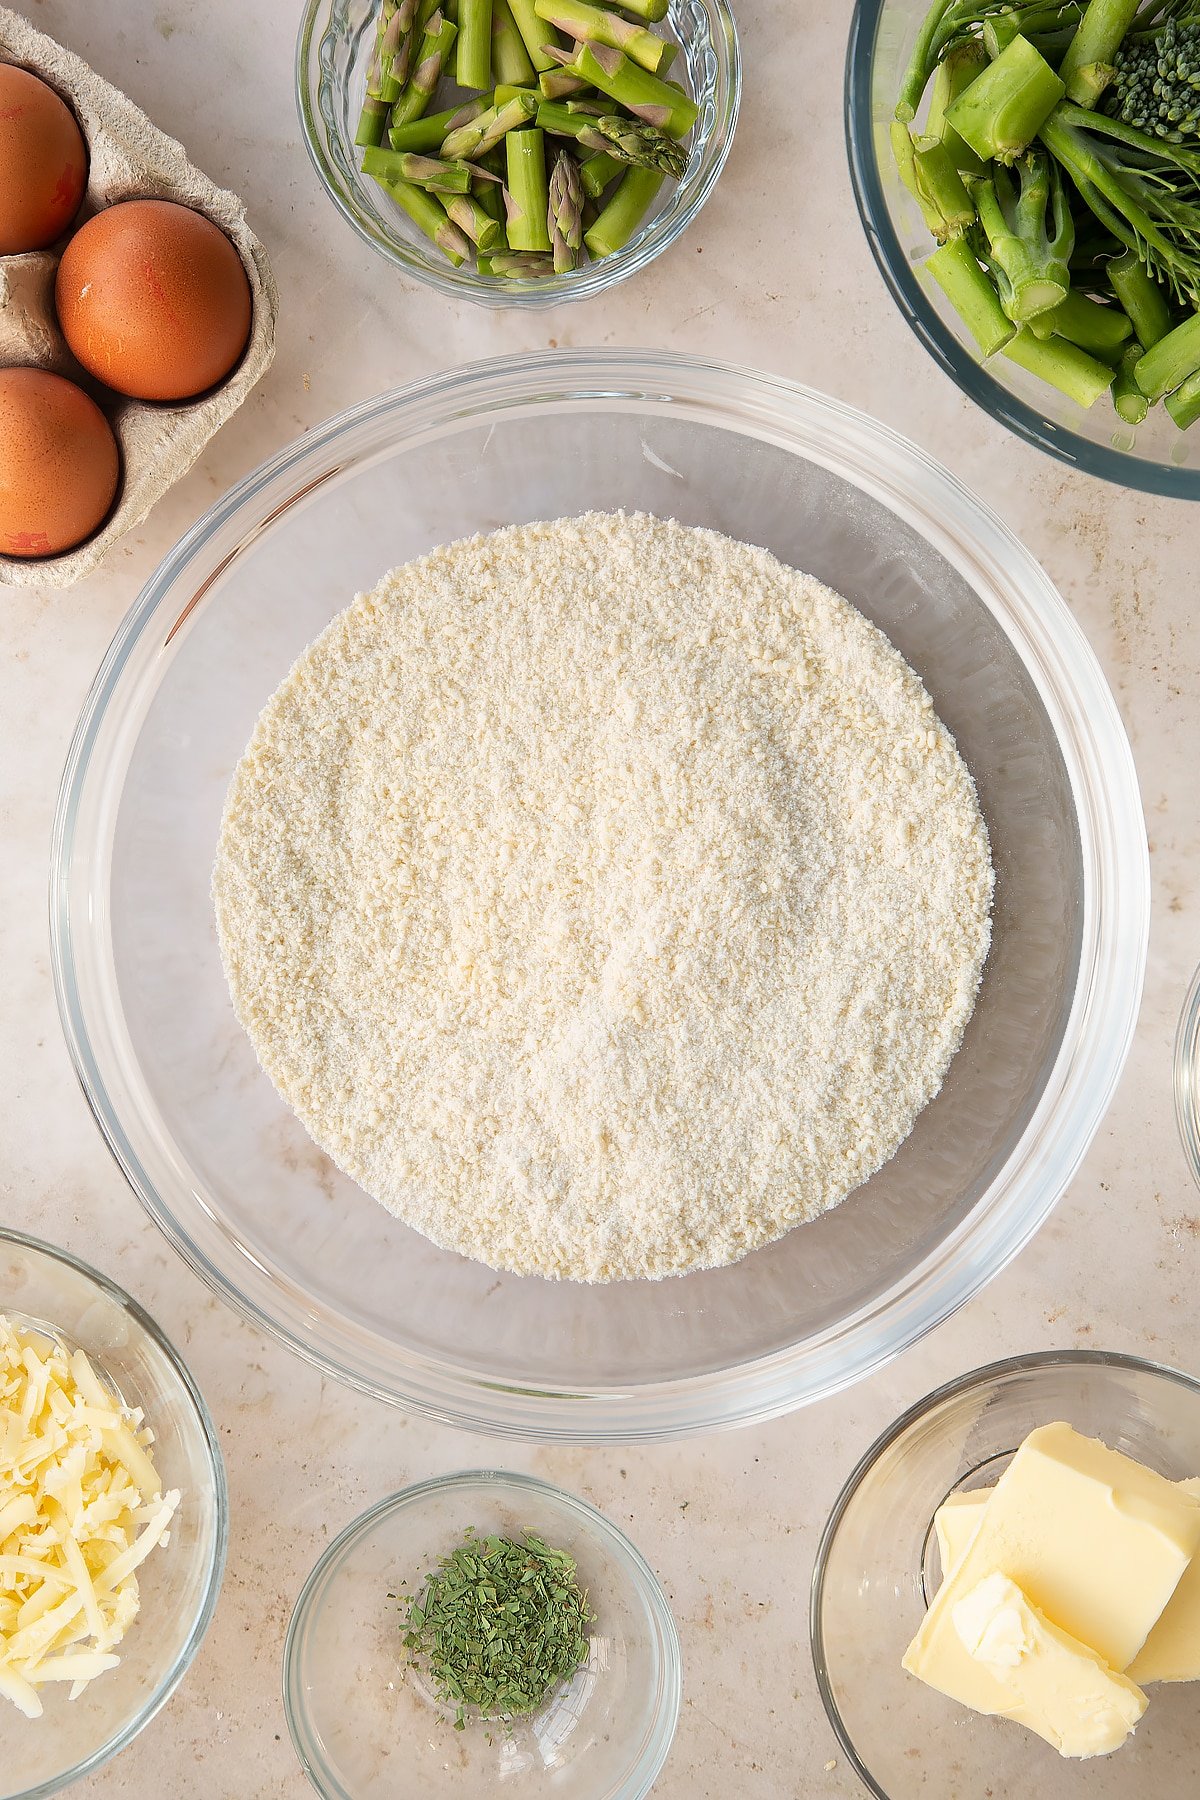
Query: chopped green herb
[499,1625]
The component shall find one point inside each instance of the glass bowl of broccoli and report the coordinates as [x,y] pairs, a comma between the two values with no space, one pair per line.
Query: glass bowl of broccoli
[1028,173]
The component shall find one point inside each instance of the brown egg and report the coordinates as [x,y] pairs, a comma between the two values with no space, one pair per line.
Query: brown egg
[153,300]
[58,464]
[43,163]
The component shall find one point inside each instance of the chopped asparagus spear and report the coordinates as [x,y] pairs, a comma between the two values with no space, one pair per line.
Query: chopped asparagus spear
[598,172]
[623,213]
[430,218]
[593,24]
[536,34]
[440,34]
[510,59]
[483,133]
[528,190]
[431,172]
[473,219]
[658,102]
[557,84]
[474,43]
[521,266]
[565,213]
[428,134]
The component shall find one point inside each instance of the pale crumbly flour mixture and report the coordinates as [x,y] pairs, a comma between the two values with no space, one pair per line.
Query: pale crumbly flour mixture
[605,897]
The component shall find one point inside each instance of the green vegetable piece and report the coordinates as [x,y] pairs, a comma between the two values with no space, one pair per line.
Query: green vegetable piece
[1156,82]
[474,43]
[426,135]
[970,291]
[943,185]
[955,73]
[1172,361]
[510,59]
[629,204]
[1103,330]
[660,103]
[1087,67]
[599,171]
[1184,404]
[1065,366]
[1128,399]
[1030,235]
[528,190]
[436,45]
[1002,110]
[1141,296]
[431,172]
[585,23]
[536,35]
[904,149]
[429,217]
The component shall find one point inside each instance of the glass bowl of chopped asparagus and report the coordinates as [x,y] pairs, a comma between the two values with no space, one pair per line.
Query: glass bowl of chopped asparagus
[518,151]
[477,1631]
[1028,172]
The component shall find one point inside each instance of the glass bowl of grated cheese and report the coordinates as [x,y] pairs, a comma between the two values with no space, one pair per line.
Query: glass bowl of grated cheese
[71,1345]
[225,1168]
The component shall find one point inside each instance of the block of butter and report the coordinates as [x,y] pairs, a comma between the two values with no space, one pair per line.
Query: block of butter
[1172,1650]
[1095,1543]
[1056,1686]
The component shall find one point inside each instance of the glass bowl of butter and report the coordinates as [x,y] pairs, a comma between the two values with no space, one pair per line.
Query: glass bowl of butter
[1006,1598]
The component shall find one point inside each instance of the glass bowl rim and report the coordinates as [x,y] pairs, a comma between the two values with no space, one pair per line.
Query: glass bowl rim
[890,1435]
[556,290]
[162,1689]
[1104,783]
[952,357]
[306,1740]
[1185,1072]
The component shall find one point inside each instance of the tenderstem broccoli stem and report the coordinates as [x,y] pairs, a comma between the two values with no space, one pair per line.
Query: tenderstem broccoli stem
[1141,296]
[1065,366]
[1172,361]
[1002,110]
[618,221]
[426,135]
[904,149]
[584,22]
[922,61]
[955,72]
[1102,330]
[1184,404]
[1030,235]
[970,292]
[475,43]
[535,34]
[1087,67]
[941,181]
[1128,399]
[528,190]
[430,218]
[657,102]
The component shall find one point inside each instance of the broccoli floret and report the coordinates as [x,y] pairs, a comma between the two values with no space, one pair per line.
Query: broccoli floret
[1156,83]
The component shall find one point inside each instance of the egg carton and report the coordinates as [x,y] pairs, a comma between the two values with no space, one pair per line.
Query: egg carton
[129,159]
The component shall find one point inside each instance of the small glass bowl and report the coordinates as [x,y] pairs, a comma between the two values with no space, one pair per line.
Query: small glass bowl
[1187,1077]
[332,52]
[48,1289]
[877,1568]
[1154,457]
[366,1726]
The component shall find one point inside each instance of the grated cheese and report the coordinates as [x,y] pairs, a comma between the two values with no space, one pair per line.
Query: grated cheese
[81,1507]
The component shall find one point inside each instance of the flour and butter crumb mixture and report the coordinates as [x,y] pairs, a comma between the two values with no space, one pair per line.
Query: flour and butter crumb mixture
[604,896]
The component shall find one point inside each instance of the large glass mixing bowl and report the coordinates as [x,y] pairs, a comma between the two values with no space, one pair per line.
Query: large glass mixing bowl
[231,1176]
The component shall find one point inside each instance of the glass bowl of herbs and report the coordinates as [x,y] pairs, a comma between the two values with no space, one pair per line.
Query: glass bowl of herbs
[478,1630]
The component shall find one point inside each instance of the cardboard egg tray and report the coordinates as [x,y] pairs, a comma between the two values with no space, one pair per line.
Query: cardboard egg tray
[129,159]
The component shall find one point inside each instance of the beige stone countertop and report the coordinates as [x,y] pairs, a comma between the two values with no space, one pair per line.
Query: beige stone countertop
[772,275]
